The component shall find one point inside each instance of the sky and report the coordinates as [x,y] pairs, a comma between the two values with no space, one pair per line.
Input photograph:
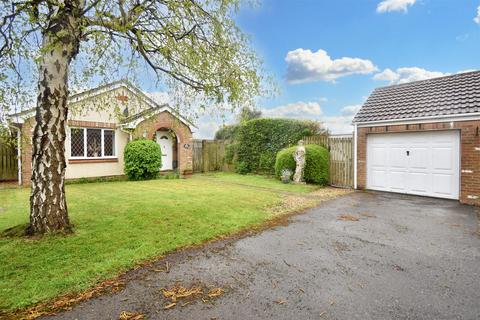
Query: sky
[326,57]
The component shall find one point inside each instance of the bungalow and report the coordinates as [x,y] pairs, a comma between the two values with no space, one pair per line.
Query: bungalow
[421,138]
[100,123]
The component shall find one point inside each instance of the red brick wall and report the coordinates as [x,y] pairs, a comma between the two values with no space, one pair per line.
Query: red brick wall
[166,120]
[26,148]
[469,145]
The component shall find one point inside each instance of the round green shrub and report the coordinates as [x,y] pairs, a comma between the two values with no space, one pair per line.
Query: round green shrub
[143,159]
[316,163]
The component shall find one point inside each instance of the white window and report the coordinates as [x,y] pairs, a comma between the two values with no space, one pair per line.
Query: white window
[92,143]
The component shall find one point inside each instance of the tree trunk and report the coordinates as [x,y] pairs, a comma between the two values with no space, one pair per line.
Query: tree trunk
[48,206]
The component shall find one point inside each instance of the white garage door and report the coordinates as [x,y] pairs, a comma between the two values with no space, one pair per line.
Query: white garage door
[422,163]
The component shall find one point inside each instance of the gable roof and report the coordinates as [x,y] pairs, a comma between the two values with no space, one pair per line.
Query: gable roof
[132,121]
[153,106]
[455,95]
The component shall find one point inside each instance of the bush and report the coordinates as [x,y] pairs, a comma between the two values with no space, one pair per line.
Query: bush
[143,159]
[226,132]
[242,167]
[316,163]
[259,140]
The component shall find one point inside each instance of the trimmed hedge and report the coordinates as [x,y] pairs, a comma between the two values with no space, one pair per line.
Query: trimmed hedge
[317,163]
[230,151]
[143,159]
[259,140]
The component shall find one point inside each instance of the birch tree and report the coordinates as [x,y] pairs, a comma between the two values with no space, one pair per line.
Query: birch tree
[190,44]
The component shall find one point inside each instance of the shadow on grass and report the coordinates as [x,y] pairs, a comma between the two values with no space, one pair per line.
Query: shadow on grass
[23,231]
[18,231]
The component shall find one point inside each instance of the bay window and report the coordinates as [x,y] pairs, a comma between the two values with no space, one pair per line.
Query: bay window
[92,143]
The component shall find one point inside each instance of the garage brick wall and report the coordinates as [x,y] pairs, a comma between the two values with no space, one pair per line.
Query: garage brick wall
[469,146]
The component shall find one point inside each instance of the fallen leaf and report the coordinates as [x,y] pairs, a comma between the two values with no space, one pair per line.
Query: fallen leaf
[126,315]
[280,301]
[169,306]
[166,269]
[215,292]
[178,292]
[348,217]
[368,215]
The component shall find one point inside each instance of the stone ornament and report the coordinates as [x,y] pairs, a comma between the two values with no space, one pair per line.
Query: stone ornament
[299,156]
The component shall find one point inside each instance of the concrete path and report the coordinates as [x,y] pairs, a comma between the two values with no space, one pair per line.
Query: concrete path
[406,258]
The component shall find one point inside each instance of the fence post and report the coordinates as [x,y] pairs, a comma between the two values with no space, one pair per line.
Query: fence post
[204,151]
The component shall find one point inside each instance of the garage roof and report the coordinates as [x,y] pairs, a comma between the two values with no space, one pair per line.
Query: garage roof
[457,94]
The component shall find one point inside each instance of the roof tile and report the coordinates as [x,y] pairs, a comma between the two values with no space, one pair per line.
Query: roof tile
[450,95]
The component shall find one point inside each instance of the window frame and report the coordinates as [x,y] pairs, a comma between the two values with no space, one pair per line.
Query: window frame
[84,157]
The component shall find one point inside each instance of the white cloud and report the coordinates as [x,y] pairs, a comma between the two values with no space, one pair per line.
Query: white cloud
[299,110]
[307,66]
[208,123]
[160,97]
[338,124]
[404,75]
[467,70]
[477,18]
[394,5]
[341,124]
[351,110]
[206,127]
[463,37]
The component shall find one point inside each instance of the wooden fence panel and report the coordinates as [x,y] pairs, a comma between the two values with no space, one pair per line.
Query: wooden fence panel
[320,140]
[197,156]
[341,161]
[209,155]
[8,163]
[341,158]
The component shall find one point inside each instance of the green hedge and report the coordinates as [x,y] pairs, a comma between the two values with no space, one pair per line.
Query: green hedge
[230,152]
[143,159]
[316,163]
[259,140]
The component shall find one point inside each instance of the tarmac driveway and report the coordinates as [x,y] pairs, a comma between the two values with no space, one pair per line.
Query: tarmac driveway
[406,258]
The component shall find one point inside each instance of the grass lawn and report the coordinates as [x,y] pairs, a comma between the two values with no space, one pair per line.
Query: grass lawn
[118,224]
[257,181]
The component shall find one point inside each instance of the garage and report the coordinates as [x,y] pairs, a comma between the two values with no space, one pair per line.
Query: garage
[421,138]
[421,163]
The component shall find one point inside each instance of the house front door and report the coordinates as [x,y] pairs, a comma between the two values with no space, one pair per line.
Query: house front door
[165,140]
